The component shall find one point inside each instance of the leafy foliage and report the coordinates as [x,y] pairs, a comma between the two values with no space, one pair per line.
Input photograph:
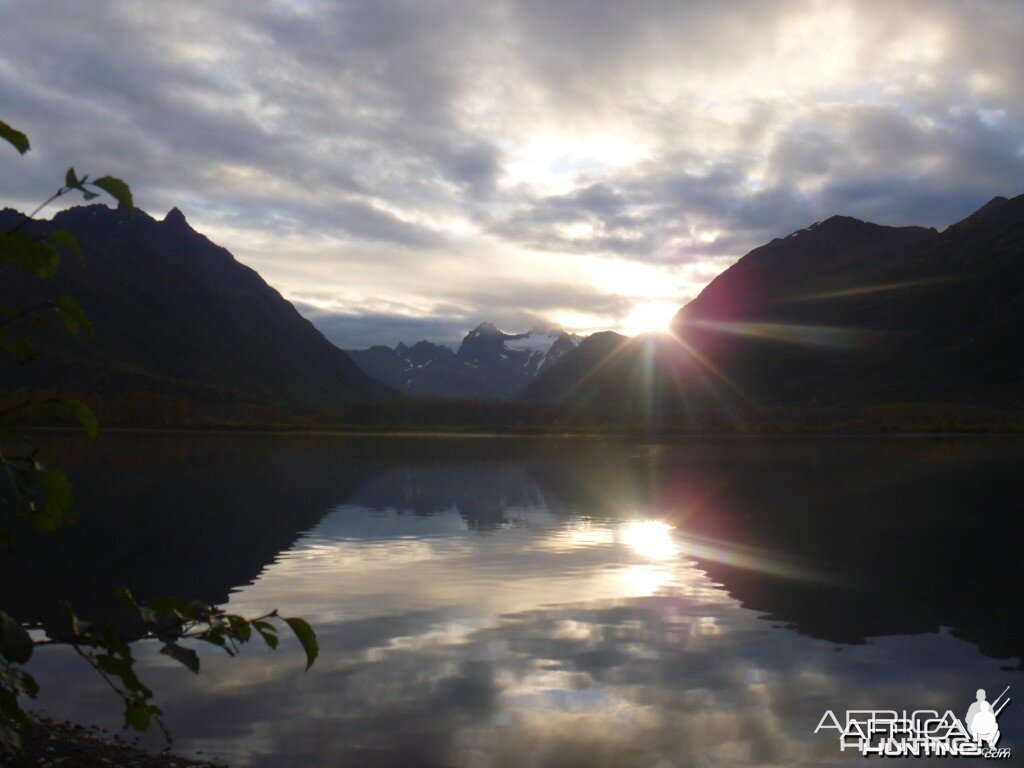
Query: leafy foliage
[15,137]
[172,620]
[118,190]
[42,495]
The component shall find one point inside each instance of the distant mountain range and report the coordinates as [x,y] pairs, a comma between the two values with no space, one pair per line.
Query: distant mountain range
[489,364]
[174,314]
[843,313]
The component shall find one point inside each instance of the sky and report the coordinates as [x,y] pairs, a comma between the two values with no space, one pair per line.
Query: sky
[406,170]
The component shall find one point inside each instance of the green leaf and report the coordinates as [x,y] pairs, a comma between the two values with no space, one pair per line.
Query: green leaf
[15,137]
[307,637]
[83,414]
[21,348]
[268,632]
[186,656]
[71,180]
[78,627]
[125,594]
[72,314]
[124,670]
[214,637]
[15,643]
[57,509]
[240,628]
[10,714]
[9,737]
[65,238]
[172,607]
[9,705]
[38,257]
[118,190]
[117,644]
[27,683]
[137,715]
[269,638]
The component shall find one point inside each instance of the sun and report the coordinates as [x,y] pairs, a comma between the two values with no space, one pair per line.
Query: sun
[653,316]
[652,293]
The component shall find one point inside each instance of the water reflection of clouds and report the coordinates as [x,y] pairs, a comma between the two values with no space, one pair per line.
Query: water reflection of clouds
[553,641]
[401,564]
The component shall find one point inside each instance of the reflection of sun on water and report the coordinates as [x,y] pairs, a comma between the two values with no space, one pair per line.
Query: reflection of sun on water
[643,579]
[579,534]
[650,539]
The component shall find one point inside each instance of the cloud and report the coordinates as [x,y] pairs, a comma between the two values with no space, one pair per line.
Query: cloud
[418,155]
[447,323]
[366,329]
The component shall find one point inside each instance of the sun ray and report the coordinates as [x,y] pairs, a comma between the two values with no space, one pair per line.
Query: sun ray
[611,355]
[748,558]
[825,336]
[868,289]
[713,369]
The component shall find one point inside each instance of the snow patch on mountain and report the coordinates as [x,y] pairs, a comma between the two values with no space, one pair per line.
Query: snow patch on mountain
[538,339]
[489,363]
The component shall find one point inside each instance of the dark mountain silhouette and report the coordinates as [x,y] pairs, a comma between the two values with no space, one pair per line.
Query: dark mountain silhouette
[579,372]
[843,313]
[409,369]
[381,363]
[489,364]
[175,314]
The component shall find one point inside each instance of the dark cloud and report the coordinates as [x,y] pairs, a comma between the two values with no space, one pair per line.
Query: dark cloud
[476,166]
[358,331]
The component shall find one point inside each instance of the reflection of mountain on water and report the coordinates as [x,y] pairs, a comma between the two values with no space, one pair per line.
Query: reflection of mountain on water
[487,481]
[897,537]
[481,493]
[192,515]
[893,537]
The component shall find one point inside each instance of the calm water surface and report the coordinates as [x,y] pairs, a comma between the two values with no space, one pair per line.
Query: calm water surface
[488,602]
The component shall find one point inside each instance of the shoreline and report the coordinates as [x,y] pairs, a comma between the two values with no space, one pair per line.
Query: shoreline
[474,435]
[46,742]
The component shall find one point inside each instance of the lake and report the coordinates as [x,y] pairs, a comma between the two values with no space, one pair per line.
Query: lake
[545,602]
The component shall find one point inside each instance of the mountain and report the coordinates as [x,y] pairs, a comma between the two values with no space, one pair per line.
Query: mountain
[173,314]
[403,366]
[489,364]
[845,313]
[573,379]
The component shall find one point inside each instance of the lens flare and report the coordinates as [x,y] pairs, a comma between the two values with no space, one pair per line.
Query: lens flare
[822,336]
[711,368]
[604,361]
[869,289]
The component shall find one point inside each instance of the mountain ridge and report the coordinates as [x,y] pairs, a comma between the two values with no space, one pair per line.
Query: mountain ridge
[174,313]
[489,363]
